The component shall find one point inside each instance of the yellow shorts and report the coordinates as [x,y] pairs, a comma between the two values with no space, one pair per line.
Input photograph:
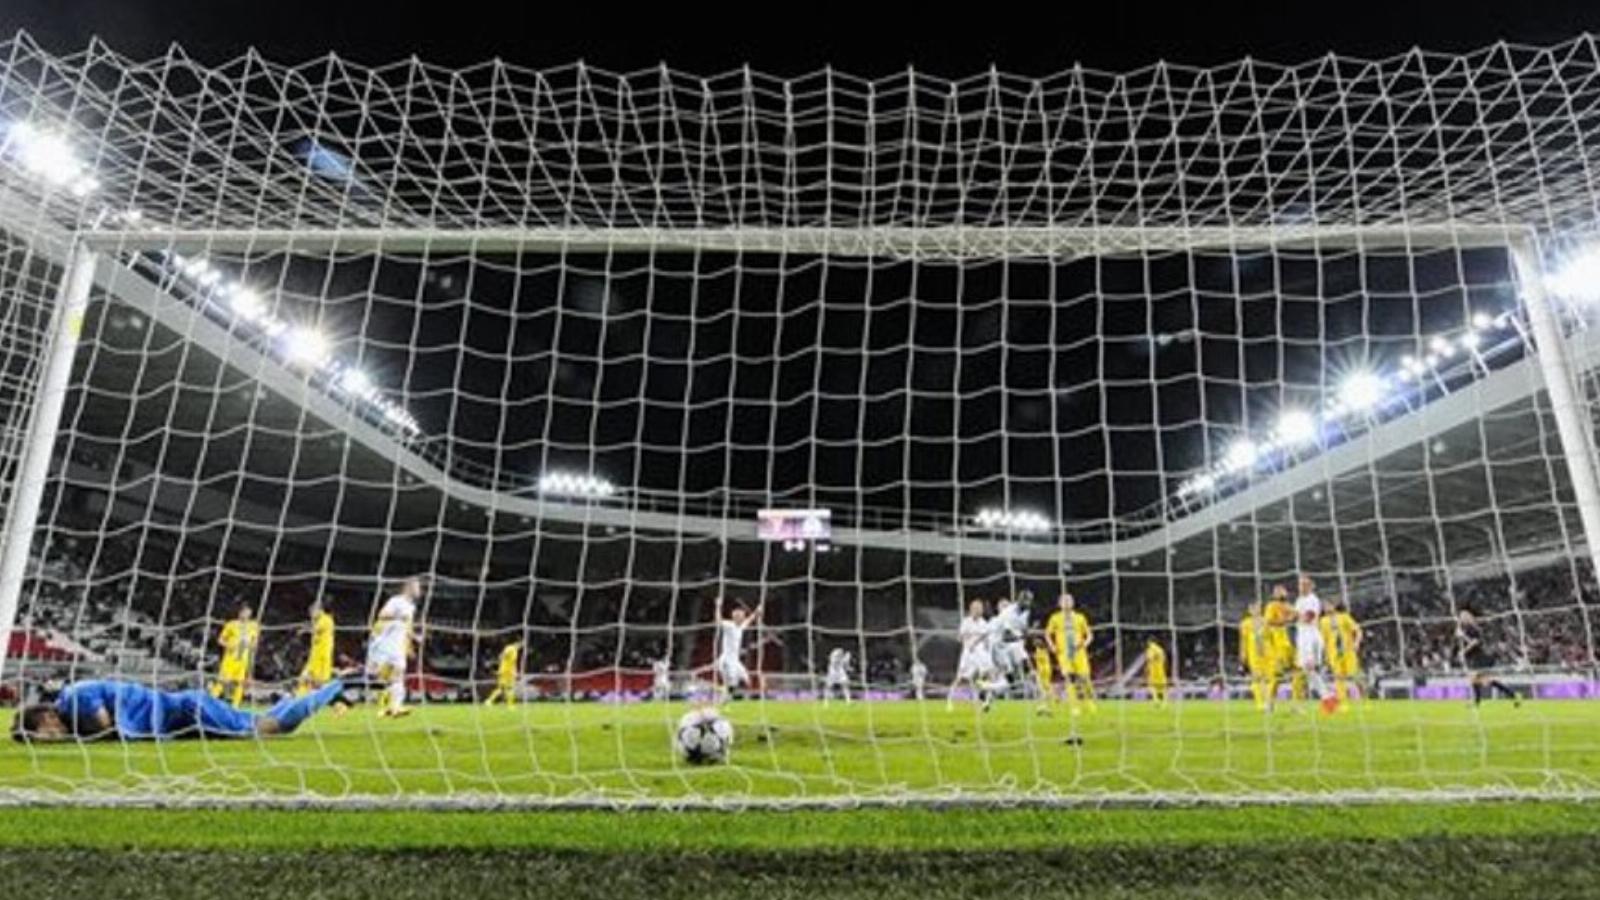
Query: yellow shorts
[1157,680]
[1077,667]
[1262,668]
[318,672]
[1346,666]
[234,670]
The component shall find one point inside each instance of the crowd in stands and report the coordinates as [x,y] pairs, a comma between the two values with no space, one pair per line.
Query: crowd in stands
[144,606]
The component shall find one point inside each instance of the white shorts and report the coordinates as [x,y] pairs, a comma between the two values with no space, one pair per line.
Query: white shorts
[733,672]
[378,660]
[1011,657]
[975,664]
[1308,648]
[837,679]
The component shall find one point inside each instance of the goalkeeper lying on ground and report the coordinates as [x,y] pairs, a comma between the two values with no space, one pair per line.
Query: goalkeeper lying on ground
[93,710]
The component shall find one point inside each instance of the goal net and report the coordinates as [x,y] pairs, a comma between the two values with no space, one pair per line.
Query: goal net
[658,377]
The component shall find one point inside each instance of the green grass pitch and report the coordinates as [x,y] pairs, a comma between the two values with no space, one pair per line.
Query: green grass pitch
[806,751]
[555,751]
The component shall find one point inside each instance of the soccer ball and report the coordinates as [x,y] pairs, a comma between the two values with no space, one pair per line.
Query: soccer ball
[704,737]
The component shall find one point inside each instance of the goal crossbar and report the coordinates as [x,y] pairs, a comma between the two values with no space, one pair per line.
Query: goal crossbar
[917,242]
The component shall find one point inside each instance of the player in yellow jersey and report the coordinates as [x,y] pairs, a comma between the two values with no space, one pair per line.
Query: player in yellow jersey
[239,639]
[319,660]
[1069,635]
[1258,656]
[1280,615]
[505,679]
[1342,634]
[1155,671]
[1044,671]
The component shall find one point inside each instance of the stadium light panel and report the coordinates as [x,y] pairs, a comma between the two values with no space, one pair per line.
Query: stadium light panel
[566,484]
[356,382]
[246,304]
[307,346]
[1295,426]
[1482,321]
[1362,391]
[1241,455]
[48,156]
[1577,280]
[1017,521]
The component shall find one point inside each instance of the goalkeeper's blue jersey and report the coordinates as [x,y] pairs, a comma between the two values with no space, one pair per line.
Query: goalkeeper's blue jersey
[143,713]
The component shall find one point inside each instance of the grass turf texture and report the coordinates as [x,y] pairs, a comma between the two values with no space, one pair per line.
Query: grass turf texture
[1485,850]
[555,751]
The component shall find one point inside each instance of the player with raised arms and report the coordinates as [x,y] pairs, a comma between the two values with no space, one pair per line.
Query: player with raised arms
[1010,625]
[105,710]
[838,675]
[730,647]
[976,666]
[390,648]
[1308,644]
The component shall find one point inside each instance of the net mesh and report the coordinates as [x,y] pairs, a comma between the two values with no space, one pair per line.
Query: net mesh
[1161,339]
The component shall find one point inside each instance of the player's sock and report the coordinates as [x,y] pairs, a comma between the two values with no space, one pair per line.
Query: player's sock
[1500,687]
[238,695]
[1341,691]
[1477,693]
[291,711]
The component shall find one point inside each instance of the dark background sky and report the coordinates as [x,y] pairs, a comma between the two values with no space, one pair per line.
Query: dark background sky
[785,38]
[557,420]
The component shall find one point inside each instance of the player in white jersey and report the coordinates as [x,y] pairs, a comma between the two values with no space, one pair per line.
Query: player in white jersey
[730,646]
[838,675]
[919,679]
[977,657]
[390,646]
[1010,626]
[1308,644]
[661,684]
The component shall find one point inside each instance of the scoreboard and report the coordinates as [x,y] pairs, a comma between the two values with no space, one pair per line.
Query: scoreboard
[795,528]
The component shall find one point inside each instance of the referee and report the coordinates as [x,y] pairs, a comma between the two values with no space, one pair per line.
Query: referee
[1476,659]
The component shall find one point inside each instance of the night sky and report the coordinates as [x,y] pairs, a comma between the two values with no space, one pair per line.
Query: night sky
[1029,383]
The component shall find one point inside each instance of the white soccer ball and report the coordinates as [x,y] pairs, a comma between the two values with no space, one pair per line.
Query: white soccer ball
[704,737]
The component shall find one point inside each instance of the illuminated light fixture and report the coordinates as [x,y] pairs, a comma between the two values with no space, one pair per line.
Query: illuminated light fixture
[1021,521]
[1241,455]
[1578,278]
[247,304]
[1295,426]
[1471,340]
[307,345]
[356,382]
[1361,391]
[566,484]
[1441,348]
[1482,321]
[48,156]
